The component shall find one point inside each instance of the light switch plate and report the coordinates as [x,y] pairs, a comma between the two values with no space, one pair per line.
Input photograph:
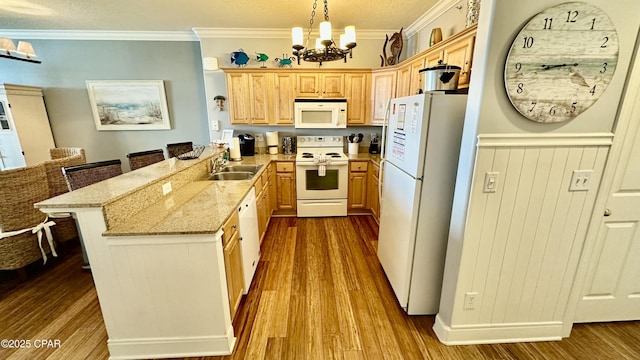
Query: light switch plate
[580,180]
[491,181]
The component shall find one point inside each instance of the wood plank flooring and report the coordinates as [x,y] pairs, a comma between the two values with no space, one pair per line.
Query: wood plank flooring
[319,293]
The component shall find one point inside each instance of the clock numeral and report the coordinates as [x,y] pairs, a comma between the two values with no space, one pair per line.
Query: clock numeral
[573,107]
[593,90]
[533,105]
[528,42]
[518,67]
[547,23]
[552,111]
[572,16]
[604,44]
[593,23]
[604,68]
[520,88]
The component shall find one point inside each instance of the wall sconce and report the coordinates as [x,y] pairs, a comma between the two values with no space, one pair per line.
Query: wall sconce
[24,51]
[219,102]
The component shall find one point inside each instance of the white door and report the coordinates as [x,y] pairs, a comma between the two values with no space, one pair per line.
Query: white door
[611,290]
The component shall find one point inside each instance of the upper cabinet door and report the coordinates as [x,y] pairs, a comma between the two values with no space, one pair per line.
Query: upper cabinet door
[383,88]
[320,85]
[357,94]
[284,95]
[238,98]
[260,85]
[308,85]
[460,53]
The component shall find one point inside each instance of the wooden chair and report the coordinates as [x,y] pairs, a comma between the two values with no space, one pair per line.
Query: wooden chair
[59,153]
[66,228]
[176,149]
[80,176]
[145,158]
[19,190]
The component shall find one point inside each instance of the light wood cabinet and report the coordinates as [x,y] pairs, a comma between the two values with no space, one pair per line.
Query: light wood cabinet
[404,81]
[286,185]
[249,98]
[433,58]
[373,197]
[284,95]
[273,192]
[357,194]
[233,263]
[357,94]
[262,204]
[320,85]
[383,88]
[460,53]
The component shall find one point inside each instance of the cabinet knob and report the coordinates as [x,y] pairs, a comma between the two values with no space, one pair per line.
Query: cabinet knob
[607,212]
[233,226]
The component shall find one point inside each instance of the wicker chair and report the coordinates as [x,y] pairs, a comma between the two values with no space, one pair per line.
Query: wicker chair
[65,228]
[145,158]
[176,149]
[19,190]
[59,153]
[80,176]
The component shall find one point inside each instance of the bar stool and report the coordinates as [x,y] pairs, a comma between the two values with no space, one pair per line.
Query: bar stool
[176,149]
[145,158]
[79,176]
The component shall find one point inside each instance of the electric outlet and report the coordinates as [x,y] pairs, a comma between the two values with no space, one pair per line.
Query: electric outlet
[491,181]
[470,300]
[580,180]
[166,188]
[215,125]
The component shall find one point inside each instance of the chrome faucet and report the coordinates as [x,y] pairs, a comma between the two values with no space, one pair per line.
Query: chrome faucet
[217,164]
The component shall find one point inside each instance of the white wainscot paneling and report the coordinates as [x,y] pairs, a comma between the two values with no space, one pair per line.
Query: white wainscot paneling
[523,241]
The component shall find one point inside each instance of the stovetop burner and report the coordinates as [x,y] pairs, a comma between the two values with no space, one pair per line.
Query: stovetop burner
[333,155]
[307,155]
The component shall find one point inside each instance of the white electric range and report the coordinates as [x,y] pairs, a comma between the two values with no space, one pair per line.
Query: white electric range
[321,176]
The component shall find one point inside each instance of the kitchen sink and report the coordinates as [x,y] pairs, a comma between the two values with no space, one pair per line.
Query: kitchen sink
[242,168]
[228,175]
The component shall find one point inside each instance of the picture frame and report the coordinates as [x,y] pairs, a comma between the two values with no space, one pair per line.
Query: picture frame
[129,104]
[227,135]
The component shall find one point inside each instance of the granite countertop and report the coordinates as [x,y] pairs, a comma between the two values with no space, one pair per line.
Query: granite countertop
[197,207]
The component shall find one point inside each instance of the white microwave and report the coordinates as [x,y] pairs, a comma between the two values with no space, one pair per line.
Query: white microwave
[320,113]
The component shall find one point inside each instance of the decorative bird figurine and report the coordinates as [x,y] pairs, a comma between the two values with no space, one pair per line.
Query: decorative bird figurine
[285,61]
[239,58]
[261,58]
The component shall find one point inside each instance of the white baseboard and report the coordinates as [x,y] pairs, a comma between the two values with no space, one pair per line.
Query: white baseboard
[154,348]
[497,333]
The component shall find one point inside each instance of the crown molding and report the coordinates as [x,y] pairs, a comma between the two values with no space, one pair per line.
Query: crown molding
[99,35]
[431,15]
[257,33]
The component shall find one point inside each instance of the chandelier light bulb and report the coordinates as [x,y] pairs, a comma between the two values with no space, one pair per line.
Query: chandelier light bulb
[325,30]
[297,36]
[350,34]
[319,44]
[343,43]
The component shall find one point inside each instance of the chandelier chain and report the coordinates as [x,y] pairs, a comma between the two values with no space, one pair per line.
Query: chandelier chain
[313,14]
[326,11]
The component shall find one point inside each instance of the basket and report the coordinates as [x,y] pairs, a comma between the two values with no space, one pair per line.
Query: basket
[193,154]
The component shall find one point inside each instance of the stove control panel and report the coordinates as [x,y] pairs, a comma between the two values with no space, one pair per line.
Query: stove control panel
[320,141]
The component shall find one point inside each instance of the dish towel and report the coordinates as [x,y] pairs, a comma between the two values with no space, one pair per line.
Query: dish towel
[322,163]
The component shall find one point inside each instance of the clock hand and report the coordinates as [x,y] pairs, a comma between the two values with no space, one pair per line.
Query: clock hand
[547,67]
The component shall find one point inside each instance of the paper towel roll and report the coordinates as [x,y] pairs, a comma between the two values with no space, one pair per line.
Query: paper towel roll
[234,149]
[272,142]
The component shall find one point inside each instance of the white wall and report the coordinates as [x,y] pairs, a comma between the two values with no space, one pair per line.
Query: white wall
[504,245]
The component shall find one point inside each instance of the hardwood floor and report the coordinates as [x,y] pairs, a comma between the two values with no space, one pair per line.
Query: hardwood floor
[319,293]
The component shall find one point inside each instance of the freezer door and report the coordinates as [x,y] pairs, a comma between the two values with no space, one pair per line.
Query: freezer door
[398,223]
[407,133]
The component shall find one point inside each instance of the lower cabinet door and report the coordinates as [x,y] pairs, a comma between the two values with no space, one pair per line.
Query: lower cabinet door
[233,268]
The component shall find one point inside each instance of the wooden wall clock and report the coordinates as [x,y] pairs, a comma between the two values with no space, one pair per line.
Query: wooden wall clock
[561,62]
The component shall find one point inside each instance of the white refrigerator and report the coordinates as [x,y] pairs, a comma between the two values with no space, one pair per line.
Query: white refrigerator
[421,159]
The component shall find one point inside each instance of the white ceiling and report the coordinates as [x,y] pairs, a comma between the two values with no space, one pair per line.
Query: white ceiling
[176,15]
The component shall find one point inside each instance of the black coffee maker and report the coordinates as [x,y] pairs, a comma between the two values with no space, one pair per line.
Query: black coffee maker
[373,146]
[247,145]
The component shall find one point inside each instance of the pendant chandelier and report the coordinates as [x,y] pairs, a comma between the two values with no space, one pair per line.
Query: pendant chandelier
[325,48]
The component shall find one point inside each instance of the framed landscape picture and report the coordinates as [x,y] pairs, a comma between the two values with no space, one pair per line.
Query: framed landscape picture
[128,104]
